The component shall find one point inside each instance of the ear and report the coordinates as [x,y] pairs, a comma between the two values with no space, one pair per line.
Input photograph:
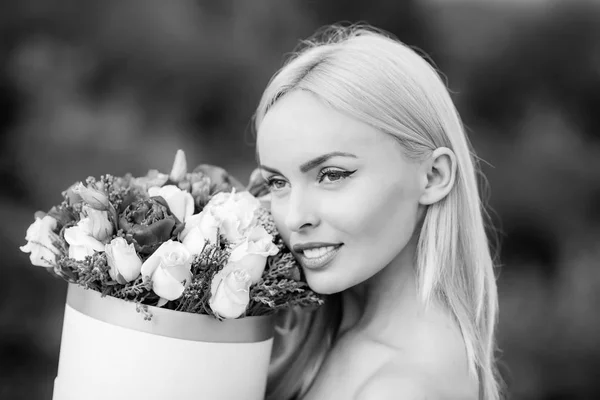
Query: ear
[440,172]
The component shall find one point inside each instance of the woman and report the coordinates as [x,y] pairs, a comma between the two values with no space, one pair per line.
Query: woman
[374,188]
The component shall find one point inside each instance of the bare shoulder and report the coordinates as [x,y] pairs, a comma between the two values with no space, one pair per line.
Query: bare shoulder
[391,383]
[388,384]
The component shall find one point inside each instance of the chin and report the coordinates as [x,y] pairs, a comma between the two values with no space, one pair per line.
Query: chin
[323,283]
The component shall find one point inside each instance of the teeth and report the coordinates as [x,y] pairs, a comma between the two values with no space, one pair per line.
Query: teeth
[318,252]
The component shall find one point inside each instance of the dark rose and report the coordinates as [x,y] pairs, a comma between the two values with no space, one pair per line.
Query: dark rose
[71,196]
[127,192]
[199,186]
[148,223]
[220,180]
[63,214]
[207,180]
[257,186]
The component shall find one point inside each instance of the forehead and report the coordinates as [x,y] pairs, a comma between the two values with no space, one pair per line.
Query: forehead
[299,126]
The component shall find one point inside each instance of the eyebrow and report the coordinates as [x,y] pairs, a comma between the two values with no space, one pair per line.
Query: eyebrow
[315,162]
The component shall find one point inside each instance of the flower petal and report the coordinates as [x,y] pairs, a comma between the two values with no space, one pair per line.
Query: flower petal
[194,241]
[152,262]
[154,191]
[192,222]
[180,273]
[165,285]
[79,253]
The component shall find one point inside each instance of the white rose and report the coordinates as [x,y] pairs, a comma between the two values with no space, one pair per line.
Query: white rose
[198,229]
[153,178]
[81,242]
[234,212]
[180,202]
[96,223]
[251,255]
[40,236]
[230,293]
[169,267]
[125,264]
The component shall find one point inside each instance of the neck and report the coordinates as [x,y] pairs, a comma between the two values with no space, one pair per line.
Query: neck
[387,300]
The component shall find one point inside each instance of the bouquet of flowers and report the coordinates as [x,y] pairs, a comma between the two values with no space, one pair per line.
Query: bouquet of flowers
[195,245]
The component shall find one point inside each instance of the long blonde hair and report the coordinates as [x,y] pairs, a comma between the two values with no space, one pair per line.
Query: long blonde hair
[373,77]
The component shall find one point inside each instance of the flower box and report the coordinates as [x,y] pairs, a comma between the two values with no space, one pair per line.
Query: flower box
[111,350]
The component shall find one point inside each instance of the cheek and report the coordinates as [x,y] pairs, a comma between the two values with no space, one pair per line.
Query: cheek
[377,221]
[278,212]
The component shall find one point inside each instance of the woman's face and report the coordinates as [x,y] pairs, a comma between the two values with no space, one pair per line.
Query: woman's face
[344,197]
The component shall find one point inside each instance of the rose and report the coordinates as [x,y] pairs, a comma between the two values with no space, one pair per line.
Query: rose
[96,223]
[199,228]
[81,242]
[148,223]
[230,286]
[125,265]
[169,268]
[230,293]
[251,255]
[234,213]
[153,178]
[95,197]
[199,184]
[40,237]
[90,234]
[181,203]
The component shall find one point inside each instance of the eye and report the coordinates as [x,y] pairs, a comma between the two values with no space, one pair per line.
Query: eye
[333,175]
[276,184]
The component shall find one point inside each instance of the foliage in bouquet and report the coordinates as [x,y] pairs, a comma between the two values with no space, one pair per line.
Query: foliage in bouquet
[195,242]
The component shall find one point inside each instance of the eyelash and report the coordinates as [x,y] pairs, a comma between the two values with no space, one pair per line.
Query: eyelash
[341,174]
[271,181]
[325,172]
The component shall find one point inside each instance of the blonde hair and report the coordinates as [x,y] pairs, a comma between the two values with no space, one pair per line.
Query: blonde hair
[373,77]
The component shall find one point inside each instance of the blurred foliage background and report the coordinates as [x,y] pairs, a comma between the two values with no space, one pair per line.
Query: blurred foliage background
[90,87]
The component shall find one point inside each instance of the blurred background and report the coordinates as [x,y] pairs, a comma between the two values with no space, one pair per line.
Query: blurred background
[92,87]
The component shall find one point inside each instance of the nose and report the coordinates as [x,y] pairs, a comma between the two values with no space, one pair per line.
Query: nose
[301,212]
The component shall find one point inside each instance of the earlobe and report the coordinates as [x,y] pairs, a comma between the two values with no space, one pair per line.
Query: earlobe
[440,175]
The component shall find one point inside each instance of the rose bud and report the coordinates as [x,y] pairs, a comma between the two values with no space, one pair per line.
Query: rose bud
[179,169]
[95,198]
[96,223]
[125,264]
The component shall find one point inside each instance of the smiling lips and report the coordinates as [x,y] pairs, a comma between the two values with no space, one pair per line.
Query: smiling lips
[316,255]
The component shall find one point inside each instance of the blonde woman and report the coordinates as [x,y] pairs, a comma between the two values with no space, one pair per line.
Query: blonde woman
[373,186]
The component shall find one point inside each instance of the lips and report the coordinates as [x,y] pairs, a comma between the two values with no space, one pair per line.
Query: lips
[316,255]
